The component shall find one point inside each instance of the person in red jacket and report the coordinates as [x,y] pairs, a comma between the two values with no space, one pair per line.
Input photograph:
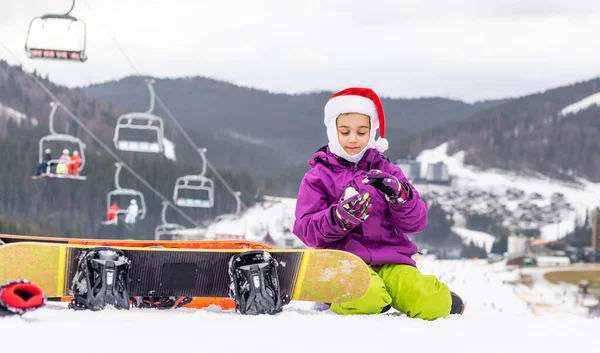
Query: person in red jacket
[113,211]
[74,163]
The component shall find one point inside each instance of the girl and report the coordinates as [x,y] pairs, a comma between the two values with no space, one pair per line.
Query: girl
[354,199]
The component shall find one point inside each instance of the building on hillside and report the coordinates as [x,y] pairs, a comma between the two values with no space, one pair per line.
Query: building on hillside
[520,260]
[551,261]
[437,173]
[517,245]
[411,168]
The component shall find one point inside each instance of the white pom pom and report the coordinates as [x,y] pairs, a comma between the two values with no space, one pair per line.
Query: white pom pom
[382,144]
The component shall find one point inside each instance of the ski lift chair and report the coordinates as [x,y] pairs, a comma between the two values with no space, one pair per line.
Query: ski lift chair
[139,122]
[55,137]
[196,183]
[122,211]
[43,51]
[166,230]
[119,191]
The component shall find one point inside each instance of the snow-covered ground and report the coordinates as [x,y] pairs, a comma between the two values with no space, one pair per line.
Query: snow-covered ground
[499,318]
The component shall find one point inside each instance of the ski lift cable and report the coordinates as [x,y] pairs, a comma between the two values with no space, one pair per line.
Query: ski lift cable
[71,9]
[96,138]
[199,150]
[170,115]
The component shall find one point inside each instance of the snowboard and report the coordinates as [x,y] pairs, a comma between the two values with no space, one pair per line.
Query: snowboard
[329,276]
[197,302]
[186,244]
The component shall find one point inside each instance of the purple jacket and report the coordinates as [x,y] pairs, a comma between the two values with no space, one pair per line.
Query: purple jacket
[381,239]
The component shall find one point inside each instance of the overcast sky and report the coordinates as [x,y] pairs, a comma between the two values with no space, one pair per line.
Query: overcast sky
[462,49]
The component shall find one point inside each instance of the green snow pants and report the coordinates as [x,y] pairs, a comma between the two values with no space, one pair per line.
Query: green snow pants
[406,289]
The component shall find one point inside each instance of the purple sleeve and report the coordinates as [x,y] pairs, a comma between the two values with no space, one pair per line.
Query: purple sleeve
[411,216]
[314,224]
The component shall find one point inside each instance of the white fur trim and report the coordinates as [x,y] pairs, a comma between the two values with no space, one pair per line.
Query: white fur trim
[382,144]
[351,104]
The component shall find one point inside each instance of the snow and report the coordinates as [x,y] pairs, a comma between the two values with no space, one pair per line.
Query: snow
[585,103]
[11,114]
[582,195]
[169,148]
[499,318]
[480,239]
[274,216]
[247,138]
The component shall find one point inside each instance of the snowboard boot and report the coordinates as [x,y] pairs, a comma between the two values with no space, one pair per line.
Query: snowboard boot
[20,296]
[458,306]
[161,302]
[254,283]
[102,279]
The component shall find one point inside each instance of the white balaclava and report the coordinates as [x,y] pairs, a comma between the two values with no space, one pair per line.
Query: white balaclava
[355,100]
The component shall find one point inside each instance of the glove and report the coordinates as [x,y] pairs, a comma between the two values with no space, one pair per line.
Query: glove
[18,297]
[354,210]
[395,192]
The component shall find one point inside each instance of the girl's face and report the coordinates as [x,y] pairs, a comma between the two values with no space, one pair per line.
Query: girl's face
[353,131]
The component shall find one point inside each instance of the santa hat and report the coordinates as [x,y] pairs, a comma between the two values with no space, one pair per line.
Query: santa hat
[357,100]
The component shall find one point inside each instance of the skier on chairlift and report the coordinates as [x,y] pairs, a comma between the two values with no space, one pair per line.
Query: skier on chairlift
[63,161]
[43,166]
[132,212]
[113,212]
[74,164]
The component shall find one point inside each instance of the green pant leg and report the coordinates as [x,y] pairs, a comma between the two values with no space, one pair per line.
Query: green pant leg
[375,299]
[416,295]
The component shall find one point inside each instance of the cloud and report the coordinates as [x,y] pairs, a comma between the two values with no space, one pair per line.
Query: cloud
[466,49]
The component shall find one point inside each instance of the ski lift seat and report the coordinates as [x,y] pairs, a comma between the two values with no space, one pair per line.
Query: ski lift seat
[139,146]
[195,183]
[63,138]
[167,229]
[187,202]
[128,192]
[139,121]
[46,51]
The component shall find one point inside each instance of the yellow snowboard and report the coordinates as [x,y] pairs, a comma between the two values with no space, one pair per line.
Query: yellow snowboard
[329,276]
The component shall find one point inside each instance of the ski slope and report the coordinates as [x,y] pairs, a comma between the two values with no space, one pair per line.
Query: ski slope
[499,318]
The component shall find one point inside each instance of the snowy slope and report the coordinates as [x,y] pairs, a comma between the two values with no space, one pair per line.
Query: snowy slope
[585,103]
[274,216]
[480,239]
[9,113]
[522,200]
[498,320]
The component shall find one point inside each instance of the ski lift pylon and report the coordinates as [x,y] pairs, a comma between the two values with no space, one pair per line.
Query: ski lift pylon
[53,52]
[119,191]
[56,137]
[140,122]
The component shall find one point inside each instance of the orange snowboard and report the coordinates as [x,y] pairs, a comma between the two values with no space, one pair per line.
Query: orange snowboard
[182,244]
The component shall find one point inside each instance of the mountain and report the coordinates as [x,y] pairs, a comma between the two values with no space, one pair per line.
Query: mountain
[555,132]
[290,125]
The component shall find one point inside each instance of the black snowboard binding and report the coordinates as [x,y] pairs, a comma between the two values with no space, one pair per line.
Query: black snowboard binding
[102,279]
[161,302]
[254,284]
